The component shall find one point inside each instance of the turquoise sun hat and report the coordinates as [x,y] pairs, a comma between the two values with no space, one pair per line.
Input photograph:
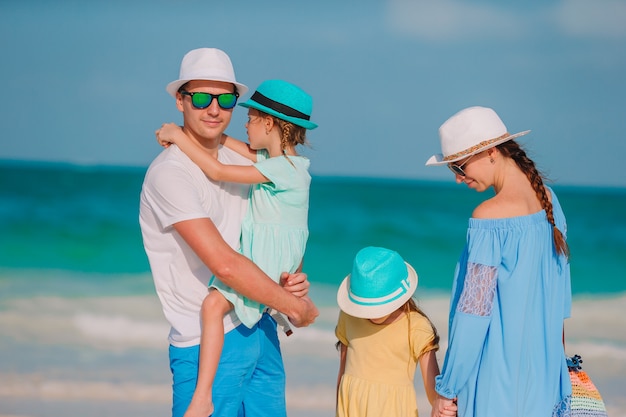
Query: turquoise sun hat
[283,100]
[380,282]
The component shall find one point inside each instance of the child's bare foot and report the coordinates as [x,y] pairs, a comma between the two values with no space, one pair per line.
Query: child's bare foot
[199,408]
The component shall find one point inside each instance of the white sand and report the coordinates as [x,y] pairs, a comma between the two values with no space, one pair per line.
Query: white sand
[108,357]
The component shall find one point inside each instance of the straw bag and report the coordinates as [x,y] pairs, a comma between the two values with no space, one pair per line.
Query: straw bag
[586,400]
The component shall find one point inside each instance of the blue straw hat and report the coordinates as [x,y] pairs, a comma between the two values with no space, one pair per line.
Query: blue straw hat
[283,100]
[379,284]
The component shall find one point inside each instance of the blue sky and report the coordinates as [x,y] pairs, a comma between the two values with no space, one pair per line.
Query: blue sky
[84,82]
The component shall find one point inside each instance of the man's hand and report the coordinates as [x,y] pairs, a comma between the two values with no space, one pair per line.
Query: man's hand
[298,285]
[306,313]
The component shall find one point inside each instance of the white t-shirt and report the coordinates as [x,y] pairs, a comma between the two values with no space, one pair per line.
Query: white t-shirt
[175,189]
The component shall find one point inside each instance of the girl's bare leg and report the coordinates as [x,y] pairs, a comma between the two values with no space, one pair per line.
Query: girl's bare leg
[214,307]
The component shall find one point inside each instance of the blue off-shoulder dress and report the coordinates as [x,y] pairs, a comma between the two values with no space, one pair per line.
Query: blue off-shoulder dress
[510,295]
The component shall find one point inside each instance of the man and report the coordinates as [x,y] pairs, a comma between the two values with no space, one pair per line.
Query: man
[191,227]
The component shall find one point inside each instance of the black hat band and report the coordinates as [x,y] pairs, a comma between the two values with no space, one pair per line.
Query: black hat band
[279,107]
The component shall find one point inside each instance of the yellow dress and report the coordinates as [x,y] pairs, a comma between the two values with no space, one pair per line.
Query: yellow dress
[380,365]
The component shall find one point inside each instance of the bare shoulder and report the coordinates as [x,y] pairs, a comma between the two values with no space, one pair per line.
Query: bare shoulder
[520,202]
[488,209]
[502,206]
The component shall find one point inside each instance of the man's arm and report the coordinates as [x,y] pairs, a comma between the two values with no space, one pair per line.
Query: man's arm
[241,274]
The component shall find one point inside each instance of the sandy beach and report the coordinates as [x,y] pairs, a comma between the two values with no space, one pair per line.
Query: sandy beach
[75,358]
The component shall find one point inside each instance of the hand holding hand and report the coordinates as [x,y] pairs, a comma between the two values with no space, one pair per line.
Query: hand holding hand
[298,284]
[444,407]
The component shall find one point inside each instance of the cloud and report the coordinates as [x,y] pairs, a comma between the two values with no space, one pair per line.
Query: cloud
[445,20]
[453,20]
[596,18]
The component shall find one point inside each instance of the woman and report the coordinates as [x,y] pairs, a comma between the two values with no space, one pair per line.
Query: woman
[512,290]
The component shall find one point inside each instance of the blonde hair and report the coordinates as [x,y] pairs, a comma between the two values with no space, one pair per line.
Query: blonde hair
[411,305]
[290,134]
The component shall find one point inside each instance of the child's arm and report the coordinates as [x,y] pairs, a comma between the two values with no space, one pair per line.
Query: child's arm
[430,369]
[342,368]
[238,146]
[171,133]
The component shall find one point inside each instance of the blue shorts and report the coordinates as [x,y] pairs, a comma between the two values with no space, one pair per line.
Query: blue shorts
[250,379]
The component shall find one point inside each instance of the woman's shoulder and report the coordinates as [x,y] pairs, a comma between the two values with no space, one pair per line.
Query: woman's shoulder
[508,204]
[488,209]
[498,208]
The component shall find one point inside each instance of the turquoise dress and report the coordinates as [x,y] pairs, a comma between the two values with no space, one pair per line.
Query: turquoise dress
[275,230]
[510,296]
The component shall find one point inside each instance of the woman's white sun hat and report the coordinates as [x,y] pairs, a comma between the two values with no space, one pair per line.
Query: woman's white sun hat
[470,131]
[209,64]
[380,282]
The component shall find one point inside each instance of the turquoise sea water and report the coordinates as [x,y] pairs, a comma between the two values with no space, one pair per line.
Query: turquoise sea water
[81,323]
[85,220]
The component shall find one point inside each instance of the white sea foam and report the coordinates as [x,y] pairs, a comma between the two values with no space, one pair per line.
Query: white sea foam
[121,330]
[44,387]
[122,345]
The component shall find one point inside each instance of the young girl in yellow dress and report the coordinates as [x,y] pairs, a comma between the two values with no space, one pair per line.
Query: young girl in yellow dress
[383,335]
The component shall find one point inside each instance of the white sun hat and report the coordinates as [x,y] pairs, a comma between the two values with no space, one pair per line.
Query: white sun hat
[209,64]
[468,132]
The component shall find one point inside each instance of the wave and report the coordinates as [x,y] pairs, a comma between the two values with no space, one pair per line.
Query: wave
[121,330]
[138,320]
[41,386]
[115,349]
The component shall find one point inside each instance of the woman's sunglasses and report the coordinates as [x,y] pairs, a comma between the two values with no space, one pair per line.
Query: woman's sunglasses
[458,169]
[203,100]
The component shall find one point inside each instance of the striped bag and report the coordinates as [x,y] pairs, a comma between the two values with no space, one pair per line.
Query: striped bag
[586,400]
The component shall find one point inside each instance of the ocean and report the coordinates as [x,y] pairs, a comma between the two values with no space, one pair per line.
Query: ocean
[82,331]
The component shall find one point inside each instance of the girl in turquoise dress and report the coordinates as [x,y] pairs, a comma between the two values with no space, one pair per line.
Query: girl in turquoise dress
[512,290]
[275,230]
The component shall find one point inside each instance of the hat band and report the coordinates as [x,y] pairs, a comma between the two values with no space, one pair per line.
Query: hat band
[406,283]
[279,107]
[475,147]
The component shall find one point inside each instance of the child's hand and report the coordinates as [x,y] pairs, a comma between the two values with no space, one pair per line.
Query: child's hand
[167,134]
[296,283]
[444,407]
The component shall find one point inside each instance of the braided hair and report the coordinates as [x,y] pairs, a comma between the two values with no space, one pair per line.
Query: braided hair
[512,150]
[291,134]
